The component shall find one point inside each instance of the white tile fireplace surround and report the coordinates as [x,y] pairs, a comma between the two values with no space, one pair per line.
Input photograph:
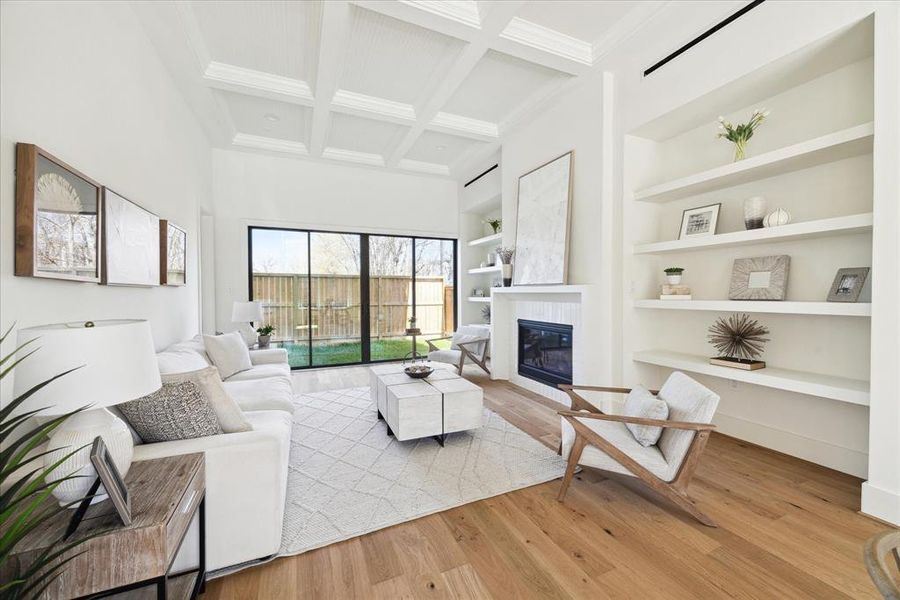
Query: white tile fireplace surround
[564,304]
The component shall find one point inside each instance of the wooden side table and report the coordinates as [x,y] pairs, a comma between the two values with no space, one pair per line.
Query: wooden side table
[166,494]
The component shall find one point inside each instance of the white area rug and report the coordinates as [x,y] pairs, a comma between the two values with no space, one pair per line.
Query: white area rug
[348,477]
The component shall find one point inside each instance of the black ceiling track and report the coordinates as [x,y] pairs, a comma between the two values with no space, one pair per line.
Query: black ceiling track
[704,35]
[477,177]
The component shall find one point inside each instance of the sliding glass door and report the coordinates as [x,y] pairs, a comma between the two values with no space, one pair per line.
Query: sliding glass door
[312,285]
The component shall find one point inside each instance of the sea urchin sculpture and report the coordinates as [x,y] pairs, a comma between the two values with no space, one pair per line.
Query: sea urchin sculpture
[738,337]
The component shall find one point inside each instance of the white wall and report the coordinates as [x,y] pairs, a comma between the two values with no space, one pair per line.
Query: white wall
[256,189]
[82,81]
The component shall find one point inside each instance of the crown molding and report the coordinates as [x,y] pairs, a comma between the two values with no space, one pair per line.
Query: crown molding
[353,156]
[448,123]
[354,103]
[258,142]
[626,27]
[257,83]
[423,167]
[461,11]
[548,40]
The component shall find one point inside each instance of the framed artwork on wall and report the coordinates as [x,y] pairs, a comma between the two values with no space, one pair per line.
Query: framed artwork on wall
[699,222]
[760,278]
[172,254]
[58,219]
[542,223]
[130,242]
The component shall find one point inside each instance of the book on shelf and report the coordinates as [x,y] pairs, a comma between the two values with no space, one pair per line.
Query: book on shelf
[674,296]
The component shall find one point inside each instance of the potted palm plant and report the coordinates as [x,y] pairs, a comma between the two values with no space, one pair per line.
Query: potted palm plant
[265,335]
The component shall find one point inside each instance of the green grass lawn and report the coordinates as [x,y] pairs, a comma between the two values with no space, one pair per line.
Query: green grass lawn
[339,353]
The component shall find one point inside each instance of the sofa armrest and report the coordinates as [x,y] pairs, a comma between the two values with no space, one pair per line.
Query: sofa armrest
[268,356]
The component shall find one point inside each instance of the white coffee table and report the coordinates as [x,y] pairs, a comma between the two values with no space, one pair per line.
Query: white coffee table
[413,409]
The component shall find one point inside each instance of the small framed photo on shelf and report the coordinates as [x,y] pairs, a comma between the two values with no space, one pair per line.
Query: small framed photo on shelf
[699,222]
[847,285]
[760,278]
[111,480]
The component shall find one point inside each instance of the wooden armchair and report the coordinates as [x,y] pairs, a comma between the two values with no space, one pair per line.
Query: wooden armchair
[878,548]
[467,343]
[594,439]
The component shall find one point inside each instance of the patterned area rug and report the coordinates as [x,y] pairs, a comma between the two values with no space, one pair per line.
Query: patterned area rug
[348,477]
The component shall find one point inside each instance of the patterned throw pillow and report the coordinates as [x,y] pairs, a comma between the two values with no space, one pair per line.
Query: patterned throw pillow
[641,403]
[176,411]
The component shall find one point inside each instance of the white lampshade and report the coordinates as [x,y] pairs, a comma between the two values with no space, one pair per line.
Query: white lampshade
[116,357]
[244,312]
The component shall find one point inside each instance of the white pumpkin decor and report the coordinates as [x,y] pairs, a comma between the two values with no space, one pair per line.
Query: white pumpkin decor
[777,217]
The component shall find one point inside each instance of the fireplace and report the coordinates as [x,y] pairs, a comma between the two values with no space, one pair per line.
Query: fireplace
[545,352]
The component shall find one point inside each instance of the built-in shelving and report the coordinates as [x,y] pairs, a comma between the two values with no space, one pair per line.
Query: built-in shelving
[794,231]
[844,309]
[482,241]
[843,389]
[485,299]
[853,141]
[480,270]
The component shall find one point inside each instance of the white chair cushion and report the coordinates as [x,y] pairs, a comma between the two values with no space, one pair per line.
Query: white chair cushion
[468,333]
[228,353]
[618,435]
[641,403]
[688,401]
[445,356]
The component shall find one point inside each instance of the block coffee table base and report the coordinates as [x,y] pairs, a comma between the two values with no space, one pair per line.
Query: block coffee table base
[438,438]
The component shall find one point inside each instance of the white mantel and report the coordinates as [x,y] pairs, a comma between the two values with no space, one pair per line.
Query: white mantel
[566,304]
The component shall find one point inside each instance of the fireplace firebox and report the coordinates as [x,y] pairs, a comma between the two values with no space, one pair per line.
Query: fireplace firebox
[545,352]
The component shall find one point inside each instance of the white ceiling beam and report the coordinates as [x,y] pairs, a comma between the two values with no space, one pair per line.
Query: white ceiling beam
[497,17]
[423,167]
[424,14]
[626,27]
[545,46]
[257,83]
[464,126]
[258,142]
[373,108]
[332,49]
[363,158]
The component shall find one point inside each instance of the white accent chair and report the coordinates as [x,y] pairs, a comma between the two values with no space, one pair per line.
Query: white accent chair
[469,342]
[594,439]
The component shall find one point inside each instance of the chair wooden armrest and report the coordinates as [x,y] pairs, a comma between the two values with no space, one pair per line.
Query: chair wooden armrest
[569,414]
[432,347]
[580,403]
[470,342]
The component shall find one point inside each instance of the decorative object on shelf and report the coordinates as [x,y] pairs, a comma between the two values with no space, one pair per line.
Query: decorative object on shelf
[111,362]
[777,218]
[675,292]
[265,335]
[172,254]
[754,212]
[478,292]
[497,283]
[740,134]
[130,251]
[673,275]
[699,222]
[486,313]
[505,256]
[760,278]
[482,265]
[848,283]
[112,481]
[420,371]
[413,331]
[245,314]
[495,224]
[491,260]
[58,219]
[542,223]
[740,341]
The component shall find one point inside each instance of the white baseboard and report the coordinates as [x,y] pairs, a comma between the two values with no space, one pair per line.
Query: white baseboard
[820,452]
[881,504]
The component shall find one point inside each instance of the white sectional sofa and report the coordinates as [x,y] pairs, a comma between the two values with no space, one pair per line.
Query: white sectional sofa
[246,473]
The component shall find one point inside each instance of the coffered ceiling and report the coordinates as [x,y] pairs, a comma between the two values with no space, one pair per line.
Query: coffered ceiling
[412,85]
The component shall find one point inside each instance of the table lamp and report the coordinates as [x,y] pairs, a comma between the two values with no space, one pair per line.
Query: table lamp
[117,364]
[244,313]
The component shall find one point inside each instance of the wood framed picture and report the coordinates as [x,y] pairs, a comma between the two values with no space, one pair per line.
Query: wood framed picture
[112,481]
[172,254]
[847,284]
[761,278]
[130,242]
[542,223]
[58,218]
[699,222]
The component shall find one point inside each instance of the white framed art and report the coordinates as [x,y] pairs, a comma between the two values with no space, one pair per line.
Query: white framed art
[130,242]
[699,222]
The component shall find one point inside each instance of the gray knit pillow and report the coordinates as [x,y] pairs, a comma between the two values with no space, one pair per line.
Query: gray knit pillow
[641,403]
[176,411]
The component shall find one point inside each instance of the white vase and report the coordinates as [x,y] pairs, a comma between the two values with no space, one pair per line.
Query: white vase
[754,212]
[506,269]
[673,279]
[777,218]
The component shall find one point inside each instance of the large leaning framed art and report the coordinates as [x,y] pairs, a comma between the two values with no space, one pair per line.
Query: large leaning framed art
[542,223]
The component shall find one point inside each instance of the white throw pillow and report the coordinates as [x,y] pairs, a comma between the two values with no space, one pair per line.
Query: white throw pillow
[231,417]
[228,353]
[641,403]
[462,338]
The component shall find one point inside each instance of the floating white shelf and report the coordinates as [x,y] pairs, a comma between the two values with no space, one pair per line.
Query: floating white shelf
[853,391]
[835,146]
[485,299]
[845,309]
[794,231]
[495,237]
[479,270]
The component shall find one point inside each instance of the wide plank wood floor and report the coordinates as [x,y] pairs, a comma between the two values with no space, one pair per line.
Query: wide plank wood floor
[787,529]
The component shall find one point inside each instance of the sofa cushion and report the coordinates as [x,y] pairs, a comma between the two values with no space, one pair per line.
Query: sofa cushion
[229,413]
[179,361]
[228,353]
[273,393]
[176,411]
[262,371]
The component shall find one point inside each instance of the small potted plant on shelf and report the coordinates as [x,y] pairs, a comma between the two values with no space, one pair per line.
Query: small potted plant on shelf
[741,133]
[496,224]
[673,275]
[265,335]
[505,256]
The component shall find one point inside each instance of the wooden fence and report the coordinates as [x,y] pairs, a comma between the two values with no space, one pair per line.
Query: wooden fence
[335,305]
